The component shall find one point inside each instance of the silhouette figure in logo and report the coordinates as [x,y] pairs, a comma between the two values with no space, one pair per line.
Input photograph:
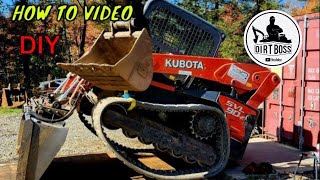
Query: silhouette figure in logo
[273,30]
[274,33]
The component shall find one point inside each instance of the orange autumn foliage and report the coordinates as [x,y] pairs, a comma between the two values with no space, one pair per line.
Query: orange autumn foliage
[311,6]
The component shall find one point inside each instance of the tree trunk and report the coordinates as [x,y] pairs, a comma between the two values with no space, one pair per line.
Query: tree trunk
[25,58]
[84,31]
[26,71]
[64,26]
[258,7]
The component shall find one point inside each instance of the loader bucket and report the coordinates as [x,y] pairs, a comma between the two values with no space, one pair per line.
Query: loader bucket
[38,144]
[120,61]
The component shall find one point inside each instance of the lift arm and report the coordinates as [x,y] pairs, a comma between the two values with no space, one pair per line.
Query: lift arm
[243,76]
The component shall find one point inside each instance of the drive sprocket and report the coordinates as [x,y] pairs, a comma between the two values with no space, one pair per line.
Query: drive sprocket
[220,144]
[203,124]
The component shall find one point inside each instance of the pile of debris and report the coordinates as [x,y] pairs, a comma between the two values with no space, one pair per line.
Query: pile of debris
[13,97]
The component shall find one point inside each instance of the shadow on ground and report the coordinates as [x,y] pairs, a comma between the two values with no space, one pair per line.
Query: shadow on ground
[96,166]
[90,166]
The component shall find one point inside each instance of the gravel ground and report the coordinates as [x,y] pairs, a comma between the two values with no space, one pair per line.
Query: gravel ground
[79,140]
[9,126]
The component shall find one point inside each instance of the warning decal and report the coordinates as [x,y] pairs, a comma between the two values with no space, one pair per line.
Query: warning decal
[238,74]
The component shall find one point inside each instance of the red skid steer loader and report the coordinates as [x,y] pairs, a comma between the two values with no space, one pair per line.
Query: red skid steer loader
[157,79]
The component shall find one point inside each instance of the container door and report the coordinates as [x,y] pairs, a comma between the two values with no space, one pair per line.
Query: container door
[311,85]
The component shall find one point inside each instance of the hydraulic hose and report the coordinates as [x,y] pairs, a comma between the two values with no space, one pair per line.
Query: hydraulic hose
[40,118]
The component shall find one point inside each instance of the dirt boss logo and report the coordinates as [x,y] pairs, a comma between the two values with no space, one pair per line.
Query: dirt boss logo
[175,63]
[272,38]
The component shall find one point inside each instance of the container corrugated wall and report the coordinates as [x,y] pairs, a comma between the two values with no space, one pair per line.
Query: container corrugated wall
[292,110]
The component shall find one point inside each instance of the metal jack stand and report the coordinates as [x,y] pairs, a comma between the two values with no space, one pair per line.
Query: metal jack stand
[315,164]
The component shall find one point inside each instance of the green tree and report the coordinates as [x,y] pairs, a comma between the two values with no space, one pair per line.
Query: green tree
[231,17]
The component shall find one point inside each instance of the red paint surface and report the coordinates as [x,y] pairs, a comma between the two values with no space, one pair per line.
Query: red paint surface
[259,78]
[236,113]
[291,93]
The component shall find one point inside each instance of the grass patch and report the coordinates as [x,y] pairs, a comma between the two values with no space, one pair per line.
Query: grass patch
[10,111]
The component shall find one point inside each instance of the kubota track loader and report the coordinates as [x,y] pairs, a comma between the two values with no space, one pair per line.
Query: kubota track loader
[159,82]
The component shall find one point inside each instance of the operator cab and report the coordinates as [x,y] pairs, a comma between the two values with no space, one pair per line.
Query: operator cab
[174,30]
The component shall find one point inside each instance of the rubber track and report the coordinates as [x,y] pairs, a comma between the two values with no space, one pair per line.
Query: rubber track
[123,153]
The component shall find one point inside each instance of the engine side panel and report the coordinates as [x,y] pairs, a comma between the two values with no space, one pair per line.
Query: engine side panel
[241,119]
